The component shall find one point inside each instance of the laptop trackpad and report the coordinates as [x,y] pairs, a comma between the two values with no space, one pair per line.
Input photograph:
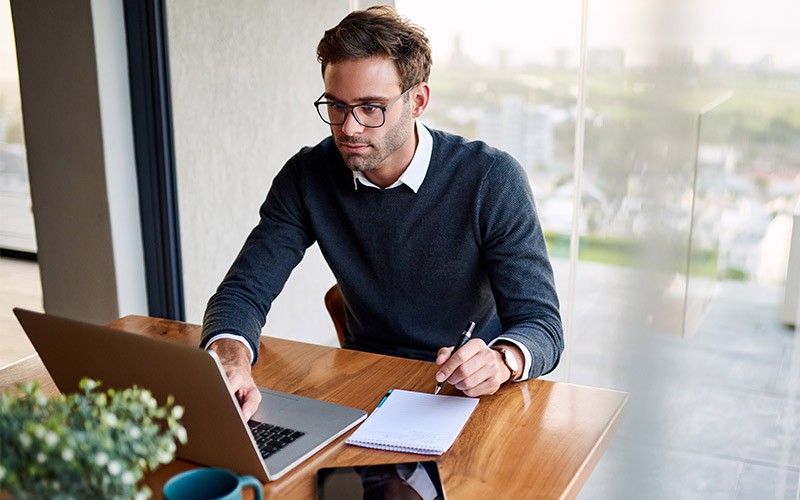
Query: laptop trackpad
[274,403]
[300,413]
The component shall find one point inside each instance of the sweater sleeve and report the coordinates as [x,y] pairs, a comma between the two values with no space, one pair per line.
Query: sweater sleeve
[258,274]
[515,255]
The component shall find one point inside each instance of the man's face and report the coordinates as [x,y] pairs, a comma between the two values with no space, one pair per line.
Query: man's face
[370,81]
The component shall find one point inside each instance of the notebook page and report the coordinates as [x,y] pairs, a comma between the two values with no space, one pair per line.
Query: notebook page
[415,422]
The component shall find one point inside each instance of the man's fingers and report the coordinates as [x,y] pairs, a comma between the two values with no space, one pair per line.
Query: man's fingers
[249,402]
[443,355]
[244,388]
[474,369]
[235,359]
[486,379]
[486,387]
[455,361]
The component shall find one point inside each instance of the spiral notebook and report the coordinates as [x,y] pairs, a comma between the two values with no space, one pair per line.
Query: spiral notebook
[415,422]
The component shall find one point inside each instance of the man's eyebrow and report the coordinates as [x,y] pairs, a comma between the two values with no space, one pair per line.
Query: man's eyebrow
[365,99]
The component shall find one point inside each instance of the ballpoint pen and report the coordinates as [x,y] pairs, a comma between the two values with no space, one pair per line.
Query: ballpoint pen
[463,339]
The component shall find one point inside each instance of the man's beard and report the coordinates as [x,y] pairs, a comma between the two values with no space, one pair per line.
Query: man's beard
[377,152]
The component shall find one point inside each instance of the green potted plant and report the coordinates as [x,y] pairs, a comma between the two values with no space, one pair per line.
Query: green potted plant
[90,444]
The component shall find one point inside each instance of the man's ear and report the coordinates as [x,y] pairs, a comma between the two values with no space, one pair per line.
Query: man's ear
[420,97]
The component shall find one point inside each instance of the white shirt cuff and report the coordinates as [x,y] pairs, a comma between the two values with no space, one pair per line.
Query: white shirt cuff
[232,337]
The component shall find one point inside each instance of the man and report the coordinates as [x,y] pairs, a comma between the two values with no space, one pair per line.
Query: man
[423,230]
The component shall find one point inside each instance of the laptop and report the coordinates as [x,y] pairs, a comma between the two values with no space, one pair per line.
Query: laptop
[296,427]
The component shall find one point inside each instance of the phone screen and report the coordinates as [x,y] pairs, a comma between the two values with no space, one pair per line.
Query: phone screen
[410,480]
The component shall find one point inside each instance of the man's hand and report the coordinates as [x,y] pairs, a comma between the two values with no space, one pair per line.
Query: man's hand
[475,369]
[235,360]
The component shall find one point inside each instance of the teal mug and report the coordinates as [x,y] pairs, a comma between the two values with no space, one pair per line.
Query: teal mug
[208,484]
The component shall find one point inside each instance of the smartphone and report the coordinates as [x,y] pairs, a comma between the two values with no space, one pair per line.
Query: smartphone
[409,480]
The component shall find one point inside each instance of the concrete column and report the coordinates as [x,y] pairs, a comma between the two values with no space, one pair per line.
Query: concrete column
[76,107]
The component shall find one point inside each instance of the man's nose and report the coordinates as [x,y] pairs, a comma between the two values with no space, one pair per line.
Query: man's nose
[351,127]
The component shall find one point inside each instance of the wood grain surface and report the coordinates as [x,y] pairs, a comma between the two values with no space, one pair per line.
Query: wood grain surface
[534,439]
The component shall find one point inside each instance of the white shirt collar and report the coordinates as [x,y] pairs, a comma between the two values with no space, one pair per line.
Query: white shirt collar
[416,170]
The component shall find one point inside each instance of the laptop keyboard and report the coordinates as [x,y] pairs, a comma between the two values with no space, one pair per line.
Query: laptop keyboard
[271,438]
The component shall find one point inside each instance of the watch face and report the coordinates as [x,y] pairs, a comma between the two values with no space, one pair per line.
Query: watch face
[511,361]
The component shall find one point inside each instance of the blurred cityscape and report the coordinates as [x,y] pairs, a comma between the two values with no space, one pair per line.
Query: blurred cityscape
[736,168]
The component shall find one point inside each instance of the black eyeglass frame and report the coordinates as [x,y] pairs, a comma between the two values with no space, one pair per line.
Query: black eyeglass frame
[351,109]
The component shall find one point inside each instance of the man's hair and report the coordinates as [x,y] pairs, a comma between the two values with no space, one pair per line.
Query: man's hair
[379,31]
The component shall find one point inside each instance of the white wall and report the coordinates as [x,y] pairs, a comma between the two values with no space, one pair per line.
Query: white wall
[244,77]
[75,100]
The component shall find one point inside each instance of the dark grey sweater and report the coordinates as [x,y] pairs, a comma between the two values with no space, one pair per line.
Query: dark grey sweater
[412,267]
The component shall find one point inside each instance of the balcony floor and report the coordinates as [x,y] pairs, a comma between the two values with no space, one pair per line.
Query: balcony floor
[713,415]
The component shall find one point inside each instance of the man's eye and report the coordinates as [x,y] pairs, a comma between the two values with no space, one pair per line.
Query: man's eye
[369,109]
[338,106]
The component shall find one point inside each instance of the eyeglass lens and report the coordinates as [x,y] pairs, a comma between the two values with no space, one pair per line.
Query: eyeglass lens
[366,115]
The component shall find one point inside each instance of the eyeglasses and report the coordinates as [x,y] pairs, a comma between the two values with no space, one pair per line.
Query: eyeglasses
[368,115]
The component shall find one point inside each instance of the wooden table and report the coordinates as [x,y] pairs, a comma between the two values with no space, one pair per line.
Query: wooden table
[535,439]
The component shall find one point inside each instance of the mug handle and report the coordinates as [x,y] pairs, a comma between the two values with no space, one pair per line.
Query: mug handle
[245,481]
